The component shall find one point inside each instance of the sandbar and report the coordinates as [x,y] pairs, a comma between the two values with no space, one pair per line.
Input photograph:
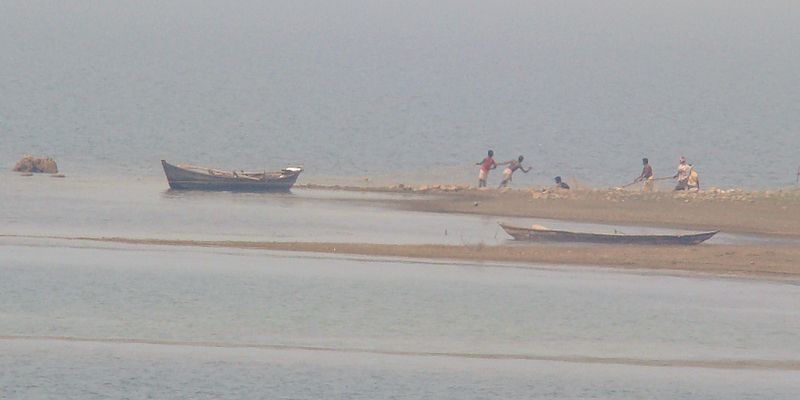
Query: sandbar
[765,261]
[772,213]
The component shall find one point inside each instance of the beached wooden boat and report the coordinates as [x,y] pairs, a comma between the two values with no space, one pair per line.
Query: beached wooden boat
[190,177]
[538,234]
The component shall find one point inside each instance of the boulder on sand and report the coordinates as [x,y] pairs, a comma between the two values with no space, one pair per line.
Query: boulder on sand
[29,163]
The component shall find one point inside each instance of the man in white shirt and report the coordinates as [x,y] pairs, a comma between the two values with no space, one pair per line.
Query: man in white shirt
[682,175]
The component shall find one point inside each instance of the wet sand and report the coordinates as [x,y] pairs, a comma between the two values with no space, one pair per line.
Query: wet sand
[763,261]
[734,211]
[774,217]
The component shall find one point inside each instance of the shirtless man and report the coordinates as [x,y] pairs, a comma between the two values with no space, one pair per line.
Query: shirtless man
[646,176]
[487,164]
[682,174]
[513,165]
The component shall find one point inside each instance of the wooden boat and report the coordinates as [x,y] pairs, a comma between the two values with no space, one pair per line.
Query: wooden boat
[541,234]
[191,177]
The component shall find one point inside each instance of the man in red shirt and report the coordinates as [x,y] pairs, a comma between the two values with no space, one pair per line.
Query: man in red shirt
[487,164]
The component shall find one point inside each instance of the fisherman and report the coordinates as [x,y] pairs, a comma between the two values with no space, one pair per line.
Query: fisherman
[513,165]
[560,184]
[646,176]
[487,164]
[687,177]
[693,182]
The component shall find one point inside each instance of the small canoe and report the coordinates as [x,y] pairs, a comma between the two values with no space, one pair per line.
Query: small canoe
[191,177]
[538,234]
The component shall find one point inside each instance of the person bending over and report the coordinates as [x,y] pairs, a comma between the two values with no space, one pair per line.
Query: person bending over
[561,184]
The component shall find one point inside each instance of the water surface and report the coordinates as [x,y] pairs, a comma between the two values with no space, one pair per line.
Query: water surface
[228,323]
[410,91]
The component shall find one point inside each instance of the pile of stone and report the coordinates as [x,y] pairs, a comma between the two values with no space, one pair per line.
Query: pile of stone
[712,194]
[32,164]
[440,188]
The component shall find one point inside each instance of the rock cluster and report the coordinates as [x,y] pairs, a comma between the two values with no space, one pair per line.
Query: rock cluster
[427,188]
[620,195]
[32,164]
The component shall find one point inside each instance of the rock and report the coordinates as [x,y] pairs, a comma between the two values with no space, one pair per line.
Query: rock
[29,163]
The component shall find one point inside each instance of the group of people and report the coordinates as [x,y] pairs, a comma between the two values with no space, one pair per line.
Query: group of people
[686,175]
[488,164]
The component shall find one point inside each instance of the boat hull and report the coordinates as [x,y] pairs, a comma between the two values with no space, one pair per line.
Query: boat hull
[185,179]
[541,235]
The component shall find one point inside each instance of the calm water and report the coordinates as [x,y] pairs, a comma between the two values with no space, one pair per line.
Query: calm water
[237,324]
[405,91]
[63,370]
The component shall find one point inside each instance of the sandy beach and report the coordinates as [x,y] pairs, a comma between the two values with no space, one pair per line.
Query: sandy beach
[773,261]
[774,213]
[767,224]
